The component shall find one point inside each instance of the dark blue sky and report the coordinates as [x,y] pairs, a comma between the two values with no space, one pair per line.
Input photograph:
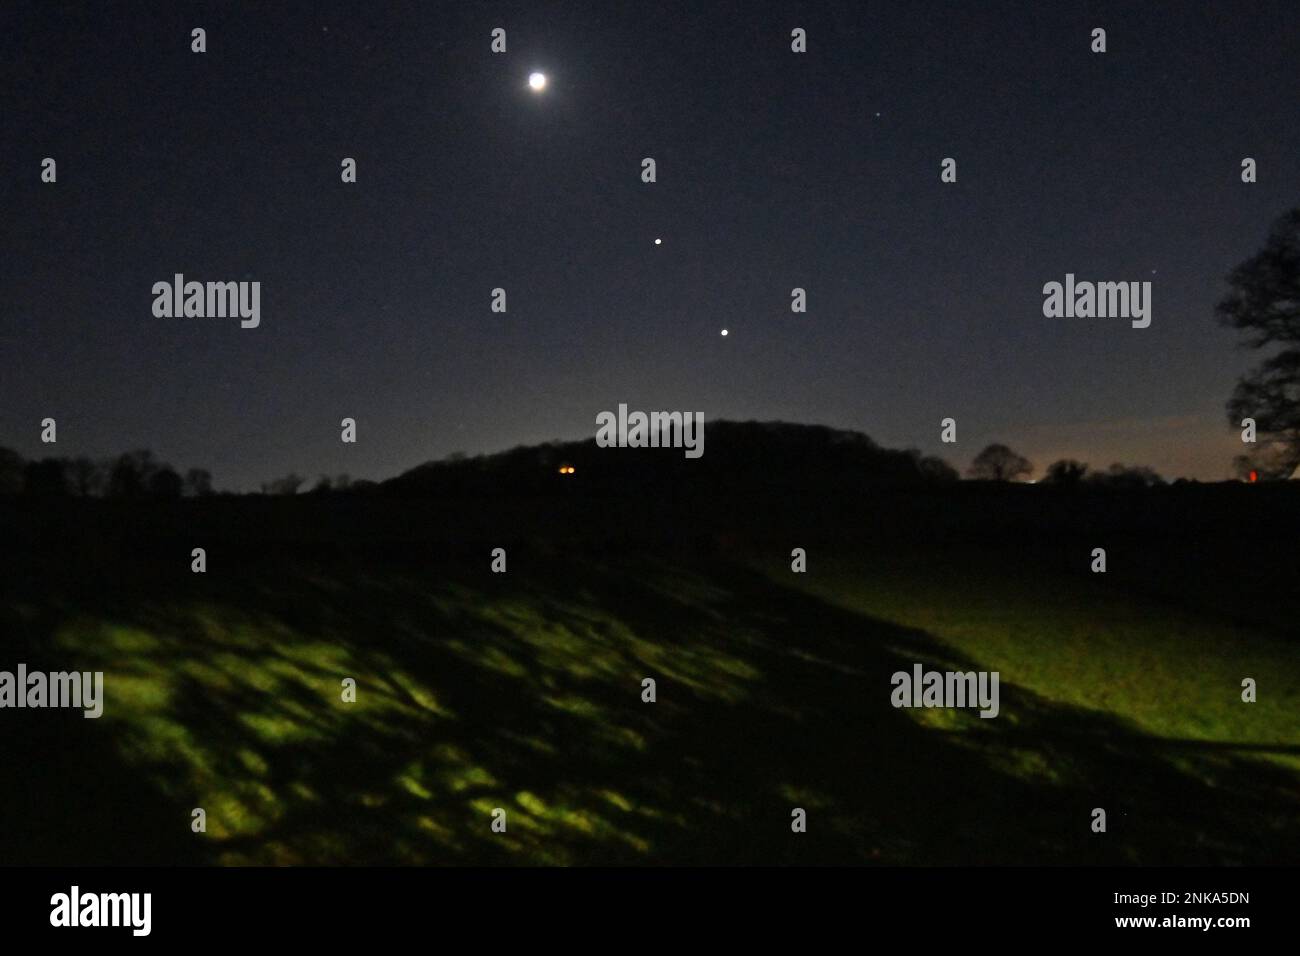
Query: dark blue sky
[775,171]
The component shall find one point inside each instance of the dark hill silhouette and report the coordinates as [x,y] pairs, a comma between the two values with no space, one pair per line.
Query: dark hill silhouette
[738,456]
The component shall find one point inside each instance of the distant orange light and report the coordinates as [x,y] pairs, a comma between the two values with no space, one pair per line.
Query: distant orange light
[1254,477]
[567,469]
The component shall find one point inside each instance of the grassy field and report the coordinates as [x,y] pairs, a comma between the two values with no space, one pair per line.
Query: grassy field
[1166,670]
[523,691]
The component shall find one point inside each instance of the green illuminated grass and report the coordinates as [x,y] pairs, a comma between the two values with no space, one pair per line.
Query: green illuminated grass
[523,692]
[1071,640]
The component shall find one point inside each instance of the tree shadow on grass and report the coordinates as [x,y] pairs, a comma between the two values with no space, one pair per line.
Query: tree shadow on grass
[523,692]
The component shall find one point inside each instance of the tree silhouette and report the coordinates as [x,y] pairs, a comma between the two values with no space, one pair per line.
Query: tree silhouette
[46,478]
[130,475]
[198,482]
[999,463]
[1066,471]
[1264,303]
[11,472]
[936,469]
[85,477]
[165,483]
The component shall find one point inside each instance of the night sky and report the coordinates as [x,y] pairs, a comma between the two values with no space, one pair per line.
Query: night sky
[775,170]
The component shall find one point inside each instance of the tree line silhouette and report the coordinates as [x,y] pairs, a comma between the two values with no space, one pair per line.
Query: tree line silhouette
[999,463]
[134,475]
[752,448]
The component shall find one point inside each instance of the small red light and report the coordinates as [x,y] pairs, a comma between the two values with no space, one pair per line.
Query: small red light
[1254,477]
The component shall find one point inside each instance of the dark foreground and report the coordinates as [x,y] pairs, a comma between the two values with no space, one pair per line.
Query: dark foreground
[523,691]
